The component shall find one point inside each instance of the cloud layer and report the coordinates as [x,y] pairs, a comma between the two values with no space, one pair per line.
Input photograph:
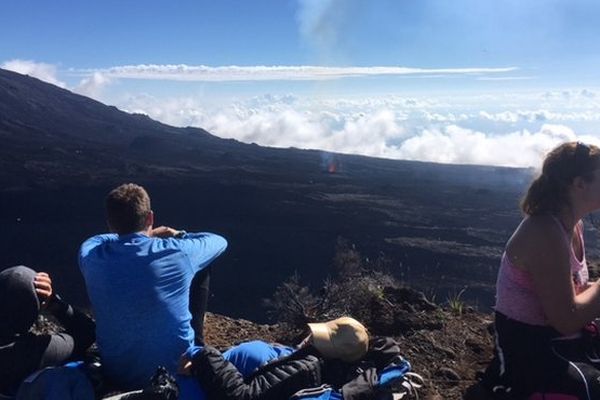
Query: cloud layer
[497,128]
[425,129]
[182,72]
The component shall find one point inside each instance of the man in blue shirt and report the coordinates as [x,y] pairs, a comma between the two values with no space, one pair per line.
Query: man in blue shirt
[138,280]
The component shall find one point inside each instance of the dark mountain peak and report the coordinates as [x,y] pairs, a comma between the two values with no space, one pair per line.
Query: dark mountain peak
[51,135]
[59,112]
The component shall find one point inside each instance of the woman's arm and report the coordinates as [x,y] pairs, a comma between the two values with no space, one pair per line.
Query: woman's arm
[540,247]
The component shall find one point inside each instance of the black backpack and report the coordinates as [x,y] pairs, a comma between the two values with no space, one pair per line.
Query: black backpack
[381,373]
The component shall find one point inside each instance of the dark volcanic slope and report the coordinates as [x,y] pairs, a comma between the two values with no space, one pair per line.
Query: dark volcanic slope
[52,135]
[443,226]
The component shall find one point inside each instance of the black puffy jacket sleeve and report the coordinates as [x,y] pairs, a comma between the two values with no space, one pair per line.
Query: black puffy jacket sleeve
[275,381]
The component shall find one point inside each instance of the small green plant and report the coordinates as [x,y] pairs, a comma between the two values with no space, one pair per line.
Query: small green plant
[455,302]
[431,295]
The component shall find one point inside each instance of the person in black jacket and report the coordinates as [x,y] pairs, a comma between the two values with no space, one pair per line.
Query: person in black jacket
[343,341]
[23,294]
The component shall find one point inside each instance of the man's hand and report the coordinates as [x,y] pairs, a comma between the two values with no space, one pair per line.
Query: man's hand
[163,232]
[43,287]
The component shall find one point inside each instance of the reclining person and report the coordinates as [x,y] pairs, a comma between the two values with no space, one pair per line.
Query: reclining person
[260,371]
[342,342]
[23,294]
[138,279]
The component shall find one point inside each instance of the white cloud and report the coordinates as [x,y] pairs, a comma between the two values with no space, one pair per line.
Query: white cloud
[444,117]
[284,122]
[182,72]
[42,71]
[92,86]
[587,93]
[583,95]
[456,145]
[540,116]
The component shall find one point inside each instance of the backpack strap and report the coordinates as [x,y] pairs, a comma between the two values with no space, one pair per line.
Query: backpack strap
[323,392]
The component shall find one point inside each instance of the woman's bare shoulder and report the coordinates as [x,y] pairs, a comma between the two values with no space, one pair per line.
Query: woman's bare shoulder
[536,234]
[540,224]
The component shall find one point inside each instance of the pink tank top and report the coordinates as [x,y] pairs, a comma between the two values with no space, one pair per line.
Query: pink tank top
[515,295]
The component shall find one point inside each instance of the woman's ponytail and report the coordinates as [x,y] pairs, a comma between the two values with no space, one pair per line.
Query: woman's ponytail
[544,197]
[549,192]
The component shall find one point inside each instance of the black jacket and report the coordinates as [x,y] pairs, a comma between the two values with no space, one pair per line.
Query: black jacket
[303,369]
[277,380]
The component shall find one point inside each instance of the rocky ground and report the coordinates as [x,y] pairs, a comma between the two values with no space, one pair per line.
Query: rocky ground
[446,344]
[447,347]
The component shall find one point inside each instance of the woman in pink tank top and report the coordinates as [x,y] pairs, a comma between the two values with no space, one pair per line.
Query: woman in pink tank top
[545,338]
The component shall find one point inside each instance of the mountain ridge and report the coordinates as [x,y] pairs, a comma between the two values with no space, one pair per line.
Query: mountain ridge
[33,111]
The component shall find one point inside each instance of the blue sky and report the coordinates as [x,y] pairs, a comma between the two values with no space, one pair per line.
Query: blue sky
[425,33]
[388,78]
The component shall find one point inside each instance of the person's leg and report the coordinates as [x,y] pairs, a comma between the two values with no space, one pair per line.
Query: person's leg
[579,381]
[524,361]
[28,353]
[199,291]
[582,377]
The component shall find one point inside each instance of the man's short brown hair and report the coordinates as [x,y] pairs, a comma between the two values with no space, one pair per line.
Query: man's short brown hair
[127,208]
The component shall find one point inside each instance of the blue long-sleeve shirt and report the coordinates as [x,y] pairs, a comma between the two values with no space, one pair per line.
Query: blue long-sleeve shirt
[139,290]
